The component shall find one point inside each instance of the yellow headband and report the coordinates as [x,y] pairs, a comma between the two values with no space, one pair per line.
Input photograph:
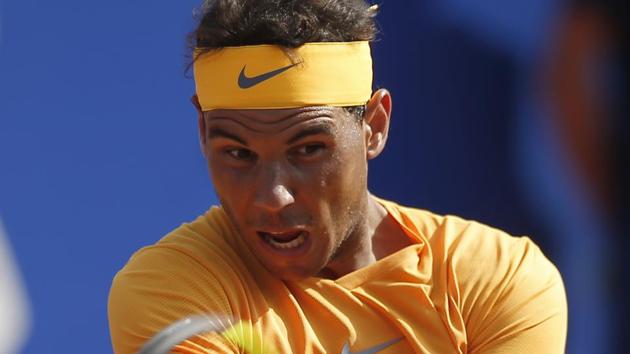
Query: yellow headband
[264,77]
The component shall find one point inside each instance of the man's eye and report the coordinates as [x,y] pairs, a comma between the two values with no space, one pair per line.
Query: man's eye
[310,149]
[241,154]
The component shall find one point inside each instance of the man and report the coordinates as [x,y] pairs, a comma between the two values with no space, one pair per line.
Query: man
[299,254]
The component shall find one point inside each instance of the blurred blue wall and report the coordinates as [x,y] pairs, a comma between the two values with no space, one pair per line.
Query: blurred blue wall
[98,151]
[98,141]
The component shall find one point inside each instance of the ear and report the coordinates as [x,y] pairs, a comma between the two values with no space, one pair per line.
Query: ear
[201,122]
[376,122]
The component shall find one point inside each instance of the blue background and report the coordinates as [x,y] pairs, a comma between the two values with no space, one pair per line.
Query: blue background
[99,153]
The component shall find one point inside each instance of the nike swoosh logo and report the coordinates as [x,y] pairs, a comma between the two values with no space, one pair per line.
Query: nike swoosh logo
[245,82]
[373,350]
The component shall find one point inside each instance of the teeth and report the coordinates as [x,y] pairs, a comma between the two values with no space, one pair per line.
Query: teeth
[296,242]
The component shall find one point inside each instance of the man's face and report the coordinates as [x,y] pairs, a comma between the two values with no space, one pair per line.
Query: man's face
[293,182]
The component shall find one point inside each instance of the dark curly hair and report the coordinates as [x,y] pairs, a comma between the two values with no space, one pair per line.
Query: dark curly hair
[287,23]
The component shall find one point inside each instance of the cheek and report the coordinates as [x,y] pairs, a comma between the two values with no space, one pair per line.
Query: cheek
[318,181]
[227,183]
[338,187]
[349,171]
[349,184]
[345,168]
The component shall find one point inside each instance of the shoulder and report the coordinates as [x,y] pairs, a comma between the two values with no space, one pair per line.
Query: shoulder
[481,254]
[201,247]
[191,270]
[470,247]
[509,294]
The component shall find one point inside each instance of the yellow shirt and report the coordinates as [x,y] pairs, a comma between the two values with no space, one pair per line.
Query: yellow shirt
[461,288]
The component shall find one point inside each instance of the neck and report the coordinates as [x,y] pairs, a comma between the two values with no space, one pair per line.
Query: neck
[358,251]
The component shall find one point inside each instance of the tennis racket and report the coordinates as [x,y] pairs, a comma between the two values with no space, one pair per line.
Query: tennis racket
[164,341]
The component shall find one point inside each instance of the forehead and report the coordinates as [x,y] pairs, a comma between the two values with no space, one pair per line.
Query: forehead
[278,117]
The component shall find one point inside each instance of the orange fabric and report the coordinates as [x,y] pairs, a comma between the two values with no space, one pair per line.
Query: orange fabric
[461,288]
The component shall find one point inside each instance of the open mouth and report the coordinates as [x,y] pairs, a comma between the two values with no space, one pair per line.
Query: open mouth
[284,241]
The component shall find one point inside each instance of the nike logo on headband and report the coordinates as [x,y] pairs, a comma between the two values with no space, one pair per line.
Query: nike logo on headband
[245,82]
[373,350]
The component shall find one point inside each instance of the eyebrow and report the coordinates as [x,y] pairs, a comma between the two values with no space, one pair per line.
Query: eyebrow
[214,133]
[313,130]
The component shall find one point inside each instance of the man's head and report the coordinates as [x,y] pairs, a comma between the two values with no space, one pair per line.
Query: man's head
[287,23]
[293,181]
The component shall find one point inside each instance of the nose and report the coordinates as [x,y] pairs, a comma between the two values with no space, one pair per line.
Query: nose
[273,193]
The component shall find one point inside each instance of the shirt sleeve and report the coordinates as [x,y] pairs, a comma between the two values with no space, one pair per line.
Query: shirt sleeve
[511,296]
[159,286]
